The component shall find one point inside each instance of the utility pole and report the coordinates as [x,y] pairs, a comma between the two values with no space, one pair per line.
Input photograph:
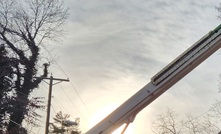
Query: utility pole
[49,98]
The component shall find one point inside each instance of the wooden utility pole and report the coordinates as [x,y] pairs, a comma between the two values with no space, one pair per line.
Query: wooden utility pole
[49,98]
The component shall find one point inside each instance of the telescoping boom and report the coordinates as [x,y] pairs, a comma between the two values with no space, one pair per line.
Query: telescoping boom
[161,82]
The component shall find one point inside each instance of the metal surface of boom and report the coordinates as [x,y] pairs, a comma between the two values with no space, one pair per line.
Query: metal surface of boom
[161,82]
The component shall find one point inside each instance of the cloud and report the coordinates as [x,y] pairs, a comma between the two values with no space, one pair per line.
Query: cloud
[114,47]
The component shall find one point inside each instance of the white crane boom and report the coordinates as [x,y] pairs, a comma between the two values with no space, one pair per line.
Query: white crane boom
[161,82]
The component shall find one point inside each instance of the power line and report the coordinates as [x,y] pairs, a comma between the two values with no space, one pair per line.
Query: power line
[53,109]
[58,103]
[67,77]
[79,96]
[70,80]
[72,102]
[56,61]
[15,123]
[49,98]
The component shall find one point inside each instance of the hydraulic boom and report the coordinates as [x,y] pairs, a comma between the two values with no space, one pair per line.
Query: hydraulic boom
[161,82]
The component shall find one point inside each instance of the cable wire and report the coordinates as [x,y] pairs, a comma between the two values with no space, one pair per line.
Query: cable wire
[72,102]
[79,96]
[69,79]
[56,61]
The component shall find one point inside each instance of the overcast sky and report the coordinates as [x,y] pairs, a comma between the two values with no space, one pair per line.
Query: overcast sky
[112,48]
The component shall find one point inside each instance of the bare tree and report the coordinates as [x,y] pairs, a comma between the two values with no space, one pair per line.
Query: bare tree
[25,26]
[168,123]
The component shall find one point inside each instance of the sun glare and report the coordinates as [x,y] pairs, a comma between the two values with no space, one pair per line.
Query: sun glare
[102,113]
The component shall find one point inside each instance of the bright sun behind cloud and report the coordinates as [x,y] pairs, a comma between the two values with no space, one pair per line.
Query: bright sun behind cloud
[102,113]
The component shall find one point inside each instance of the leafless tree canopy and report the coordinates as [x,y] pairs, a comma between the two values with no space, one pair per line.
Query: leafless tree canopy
[170,123]
[29,20]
